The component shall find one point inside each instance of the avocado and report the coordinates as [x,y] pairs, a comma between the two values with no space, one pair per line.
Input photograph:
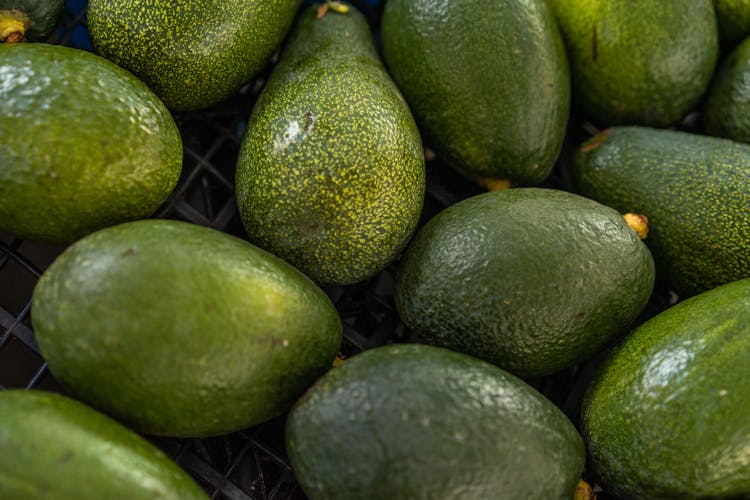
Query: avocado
[55,448]
[726,112]
[193,54]
[331,173]
[59,182]
[177,329]
[667,416]
[530,279]
[415,421]
[733,17]
[640,62]
[28,20]
[695,191]
[487,82]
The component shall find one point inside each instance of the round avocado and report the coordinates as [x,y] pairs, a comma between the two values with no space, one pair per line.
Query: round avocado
[28,20]
[421,422]
[733,17]
[177,329]
[726,112]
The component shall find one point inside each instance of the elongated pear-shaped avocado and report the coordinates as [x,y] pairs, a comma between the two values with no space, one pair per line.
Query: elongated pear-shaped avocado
[56,448]
[193,53]
[177,329]
[28,20]
[331,174]
[83,144]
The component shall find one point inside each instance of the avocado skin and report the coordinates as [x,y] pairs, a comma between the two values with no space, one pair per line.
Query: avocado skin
[180,330]
[487,82]
[733,17]
[193,54]
[39,16]
[55,448]
[331,173]
[667,416]
[533,280]
[727,109]
[415,421]
[640,62]
[59,182]
[695,191]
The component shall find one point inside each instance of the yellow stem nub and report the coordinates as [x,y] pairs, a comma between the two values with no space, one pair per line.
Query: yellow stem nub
[12,30]
[492,184]
[638,223]
[584,491]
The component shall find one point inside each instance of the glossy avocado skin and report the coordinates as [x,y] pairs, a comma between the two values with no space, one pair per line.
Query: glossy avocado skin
[667,415]
[192,54]
[487,82]
[180,330]
[640,62]
[55,448]
[733,17]
[727,109]
[415,421]
[39,17]
[533,280]
[331,173]
[59,183]
[695,191]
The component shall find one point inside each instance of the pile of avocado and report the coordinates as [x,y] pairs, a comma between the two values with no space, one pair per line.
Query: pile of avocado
[167,328]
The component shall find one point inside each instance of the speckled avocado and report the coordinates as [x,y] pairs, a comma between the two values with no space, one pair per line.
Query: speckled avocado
[331,173]
[55,448]
[193,54]
[415,421]
[28,20]
[733,17]
[487,82]
[638,62]
[83,144]
[727,109]
[695,191]
[177,329]
[533,280]
[667,416]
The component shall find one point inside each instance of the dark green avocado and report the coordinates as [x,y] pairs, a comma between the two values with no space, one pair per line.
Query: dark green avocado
[420,422]
[192,54]
[83,144]
[727,110]
[733,17]
[331,174]
[55,448]
[177,329]
[28,20]
[533,280]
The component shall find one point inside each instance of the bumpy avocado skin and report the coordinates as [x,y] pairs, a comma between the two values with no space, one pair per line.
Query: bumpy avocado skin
[415,421]
[180,330]
[727,109]
[694,189]
[39,17]
[192,54]
[83,144]
[331,174]
[55,448]
[733,17]
[533,280]
[638,62]
[667,416]
[487,82]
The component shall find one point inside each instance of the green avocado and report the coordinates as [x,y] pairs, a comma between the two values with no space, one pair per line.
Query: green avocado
[195,53]
[331,174]
[638,62]
[177,329]
[667,416]
[420,422]
[733,17]
[55,448]
[83,144]
[695,191]
[32,20]
[727,110]
[487,82]
[533,280]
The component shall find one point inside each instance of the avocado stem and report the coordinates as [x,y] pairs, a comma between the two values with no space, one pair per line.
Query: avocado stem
[491,184]
[584,491]
[638,223]
[12,30]
[333,5]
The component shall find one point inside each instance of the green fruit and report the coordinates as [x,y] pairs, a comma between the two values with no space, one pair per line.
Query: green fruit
[32,20]
[533,280]
[727,109]
[55,448]
[193,54]
[331,173]
[83,144]
[695,191]
[668,415]
[414,421]
[733,17]
[639,62]
[177,329]
[487,81]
